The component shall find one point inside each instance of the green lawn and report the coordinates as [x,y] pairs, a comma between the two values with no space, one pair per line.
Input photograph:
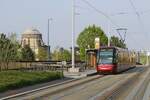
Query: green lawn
[17,79]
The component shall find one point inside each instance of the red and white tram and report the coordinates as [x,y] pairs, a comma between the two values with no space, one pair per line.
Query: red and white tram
[114,60]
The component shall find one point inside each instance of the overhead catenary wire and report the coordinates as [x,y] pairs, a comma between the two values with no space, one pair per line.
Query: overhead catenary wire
[122,37]
[135,41]
[105,15]
[127,13]
[114,23]
[138,15]
[139,19]
[100,12]
[80,7]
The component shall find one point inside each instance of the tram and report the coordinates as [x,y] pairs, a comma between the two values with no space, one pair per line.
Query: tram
[114,59]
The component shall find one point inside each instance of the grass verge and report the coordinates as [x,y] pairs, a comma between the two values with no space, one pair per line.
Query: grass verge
[17,79]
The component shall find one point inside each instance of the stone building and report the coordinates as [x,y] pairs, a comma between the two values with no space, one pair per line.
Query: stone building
[33,38]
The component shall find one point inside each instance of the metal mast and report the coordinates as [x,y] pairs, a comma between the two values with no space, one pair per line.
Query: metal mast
[48,44]
[73,32]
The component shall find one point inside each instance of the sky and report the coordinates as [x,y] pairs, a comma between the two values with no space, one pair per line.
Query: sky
[19,15]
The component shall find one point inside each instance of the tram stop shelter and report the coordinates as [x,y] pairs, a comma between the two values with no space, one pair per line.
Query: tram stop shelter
[91,58]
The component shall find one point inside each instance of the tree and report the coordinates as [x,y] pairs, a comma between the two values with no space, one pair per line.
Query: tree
[66,55]
[115,41]
[61,54]
[42,54]
[27,53]
[13,39]
[87,37]
[8,51]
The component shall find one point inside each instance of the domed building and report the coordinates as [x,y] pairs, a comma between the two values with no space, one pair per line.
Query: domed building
[33,38]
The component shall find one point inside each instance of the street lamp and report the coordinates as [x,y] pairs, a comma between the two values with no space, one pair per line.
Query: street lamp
[73,32]
[48,44]
[73,69]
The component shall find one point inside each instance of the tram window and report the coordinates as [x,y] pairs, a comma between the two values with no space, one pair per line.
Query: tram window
[106,56]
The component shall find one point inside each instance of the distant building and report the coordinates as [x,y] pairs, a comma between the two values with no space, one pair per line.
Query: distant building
[33,38]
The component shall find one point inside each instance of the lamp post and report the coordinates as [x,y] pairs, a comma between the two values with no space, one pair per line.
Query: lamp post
[73,31]
[73,69]
[48,44]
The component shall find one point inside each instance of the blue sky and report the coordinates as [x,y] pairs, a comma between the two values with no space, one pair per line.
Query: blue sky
[19,15]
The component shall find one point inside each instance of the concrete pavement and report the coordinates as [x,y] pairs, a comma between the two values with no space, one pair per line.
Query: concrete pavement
[80,74]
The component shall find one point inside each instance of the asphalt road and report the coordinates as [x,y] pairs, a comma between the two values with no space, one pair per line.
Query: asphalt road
[99,89]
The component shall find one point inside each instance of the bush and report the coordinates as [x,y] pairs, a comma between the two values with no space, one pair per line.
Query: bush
[18,79]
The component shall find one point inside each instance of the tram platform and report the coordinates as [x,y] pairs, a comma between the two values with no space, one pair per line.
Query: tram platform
[85,73]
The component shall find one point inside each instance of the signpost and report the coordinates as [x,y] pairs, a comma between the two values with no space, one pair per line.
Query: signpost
[97,43]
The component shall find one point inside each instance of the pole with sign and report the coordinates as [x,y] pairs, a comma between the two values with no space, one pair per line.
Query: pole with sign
[97,43]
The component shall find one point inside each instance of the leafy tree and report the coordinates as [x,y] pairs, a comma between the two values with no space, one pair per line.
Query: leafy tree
[27,53]
[66,55]
[61,54]
[87,37]
[115,41]
[13,38]
[8,51]
[42,54]
[19,54]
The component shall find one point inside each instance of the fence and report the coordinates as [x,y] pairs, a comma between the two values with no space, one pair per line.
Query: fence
[40,65]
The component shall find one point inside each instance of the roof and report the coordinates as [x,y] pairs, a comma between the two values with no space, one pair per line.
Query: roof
[31,31]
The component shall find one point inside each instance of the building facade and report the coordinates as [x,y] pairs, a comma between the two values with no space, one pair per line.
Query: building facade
[33,38]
